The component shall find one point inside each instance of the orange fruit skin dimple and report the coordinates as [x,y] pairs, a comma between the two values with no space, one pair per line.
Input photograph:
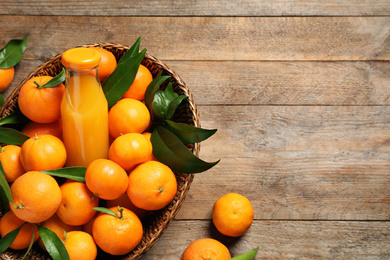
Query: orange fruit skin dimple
[36,196]
[152,186]
[44,152]
[80,245]
[129,150]
[76,207]
[10,222]
[6,77]
[107,63]
[141,82]
[42,105]
[10,160]
[128,116]
[117,236]
[232,214]
[205,249]
[106,179]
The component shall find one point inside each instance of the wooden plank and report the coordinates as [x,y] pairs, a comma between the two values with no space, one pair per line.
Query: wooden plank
[296,162]
[274,83]
[198,8]
[210,38]
[284,240]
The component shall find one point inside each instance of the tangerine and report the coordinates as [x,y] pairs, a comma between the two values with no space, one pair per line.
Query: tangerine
[80,245]
[33,128]
[39,104]
[10,160]
[10,222]
[141,82]
[129,150]
[233,214]
[206,249]
[148,135]
[128,116]
[6,76]
[117,235]
[106,179]
[152,186]
[43,152]
[107,63]
[36,196]
[124,201]
[76,206]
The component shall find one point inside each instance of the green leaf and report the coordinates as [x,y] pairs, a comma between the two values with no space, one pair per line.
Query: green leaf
[12,53]
[54,246]
[152,89]
[16,117]
[4,185]
[106,210]
[1,100]
[76,173]
[4,200]
[12,136]
[7,240]
[131,52]
[60,78]
[31,242]
[168,149]
[246,256]
[161,101]
[174,104]
[119,81]
[189,134]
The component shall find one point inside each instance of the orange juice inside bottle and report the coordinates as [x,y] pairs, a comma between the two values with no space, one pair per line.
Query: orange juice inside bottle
[84,109]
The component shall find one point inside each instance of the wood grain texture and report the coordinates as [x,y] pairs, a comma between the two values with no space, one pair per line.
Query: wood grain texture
[210,38]
[273,83]
[198,8]
[285,240]
[296,162]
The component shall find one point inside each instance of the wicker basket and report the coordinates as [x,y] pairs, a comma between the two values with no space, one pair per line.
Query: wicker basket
[158,221]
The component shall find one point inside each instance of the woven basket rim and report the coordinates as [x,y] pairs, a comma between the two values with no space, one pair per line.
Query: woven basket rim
[186,179]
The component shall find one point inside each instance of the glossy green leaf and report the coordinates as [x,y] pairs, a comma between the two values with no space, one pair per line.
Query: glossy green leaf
[60,78]
[76,173]
[189,134]
[152,89]
[5,186]
[12,53]
[106,211]
[161,101]
[168,149]
[16,117]
[119,81]
[134,49]
[12,136]
[7,240]
[1,100]
[54,246]
[174,104]
[246,256]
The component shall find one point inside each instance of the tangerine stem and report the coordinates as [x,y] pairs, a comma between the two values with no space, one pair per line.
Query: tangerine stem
[38,85]
[120,209]
[161,190]
[36,137]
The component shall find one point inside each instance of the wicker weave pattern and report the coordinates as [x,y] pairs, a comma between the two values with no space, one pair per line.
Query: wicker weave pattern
[157,222]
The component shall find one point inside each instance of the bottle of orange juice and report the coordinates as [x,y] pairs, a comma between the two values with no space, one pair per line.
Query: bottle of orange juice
[84,109]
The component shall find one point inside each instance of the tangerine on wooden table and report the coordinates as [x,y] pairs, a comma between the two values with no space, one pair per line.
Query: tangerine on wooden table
[33,128]
[129,150]
[36,196]
[43,152]
[117,235]
[10,222]
[206,249]
[6,77]
[76,206]
[152,186]
[10,160]
[107,63]
[233,214]
[106,179]
[39,104]
[141,82]
[80,246]
[128,116]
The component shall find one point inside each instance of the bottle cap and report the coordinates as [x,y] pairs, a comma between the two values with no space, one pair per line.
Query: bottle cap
[81,58]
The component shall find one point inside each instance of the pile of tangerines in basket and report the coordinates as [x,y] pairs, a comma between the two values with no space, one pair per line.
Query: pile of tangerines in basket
[71,211]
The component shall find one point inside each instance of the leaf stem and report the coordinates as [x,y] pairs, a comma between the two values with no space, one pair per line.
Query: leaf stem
[38,85]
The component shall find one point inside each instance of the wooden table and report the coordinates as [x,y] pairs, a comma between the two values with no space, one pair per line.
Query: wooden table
[299,92]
